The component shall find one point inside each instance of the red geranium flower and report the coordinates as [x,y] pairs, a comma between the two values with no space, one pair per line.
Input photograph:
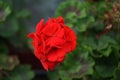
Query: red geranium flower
[52,41]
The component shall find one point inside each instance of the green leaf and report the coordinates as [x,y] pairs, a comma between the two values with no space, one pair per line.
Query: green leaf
[70,15]
[3,47]
[116,74]
[104,70]
[22,73]
[75,69]
[53,75]
[4,11]
[90,63]
[101,7]
[9,28]
[106,52]
[85,68]
[64,75]
[102,44]
[84,54]
[91,19]
[70,25]
[83,13]
[87,48]
[95,24]
[91,42]
[82,27]
[7,11]
[23,14]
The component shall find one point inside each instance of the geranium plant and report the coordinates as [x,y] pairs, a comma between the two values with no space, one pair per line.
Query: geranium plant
[97,55]
[96,24]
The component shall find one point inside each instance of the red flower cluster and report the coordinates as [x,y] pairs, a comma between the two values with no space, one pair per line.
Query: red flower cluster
[52,41]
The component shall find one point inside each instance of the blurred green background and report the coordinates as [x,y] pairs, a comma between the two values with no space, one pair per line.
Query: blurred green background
[17,19]
[97,26]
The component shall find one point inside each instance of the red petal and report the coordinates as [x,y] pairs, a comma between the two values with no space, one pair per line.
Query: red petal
[37,44]
[60,19]
[51,65]
[69,34]
[55,42]
[31,35]
[69,46]
[70,37]
[51,29]
[60,33]
[56,55]
[38,52]
[50,20]
[45,65]
[48,65]
[39,26]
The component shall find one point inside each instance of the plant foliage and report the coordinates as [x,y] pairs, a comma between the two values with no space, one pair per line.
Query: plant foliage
[97,55]
[12,32]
